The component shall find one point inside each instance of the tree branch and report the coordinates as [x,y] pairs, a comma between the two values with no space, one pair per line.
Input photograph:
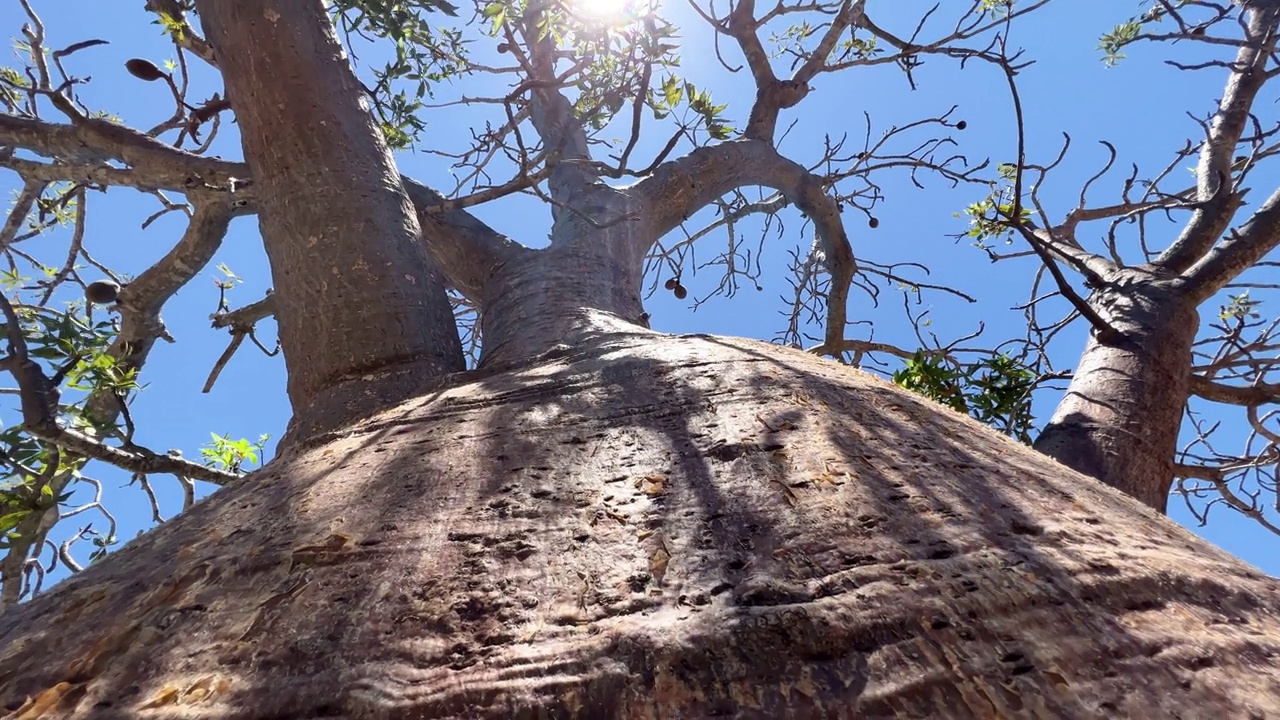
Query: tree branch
[1217,154]
[465,248]
[93,142]
[142,300]
[184,36]
[1241,250]
[39,402]
[773,94]
[551,112]
[679,188]
[244,318]
[1235,395]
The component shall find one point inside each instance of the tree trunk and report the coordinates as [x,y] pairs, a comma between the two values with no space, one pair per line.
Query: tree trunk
[1120,417]
[653,526]
[604,522]
[362,313]
[594,262]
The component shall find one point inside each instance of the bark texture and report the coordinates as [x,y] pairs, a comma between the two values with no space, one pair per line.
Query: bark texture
[339,230]
[594,263]
[1120,417]
[642,526]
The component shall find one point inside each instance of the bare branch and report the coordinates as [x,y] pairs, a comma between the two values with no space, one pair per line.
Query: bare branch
[153,165]
[466,249]
[184,36]
[39,401]
[679,188]
[1248,74]
[1254,395]
[551,112]
[1242,249]
[244,318]
[142,300]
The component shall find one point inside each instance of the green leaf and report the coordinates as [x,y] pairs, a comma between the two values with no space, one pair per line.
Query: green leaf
[671,90]
[12,520]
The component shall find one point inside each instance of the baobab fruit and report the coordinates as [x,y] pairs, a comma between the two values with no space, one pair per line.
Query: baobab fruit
[962,125]
[671,283]
[102,292]
[873,222]
[143,70]
[503,47]
[680,292]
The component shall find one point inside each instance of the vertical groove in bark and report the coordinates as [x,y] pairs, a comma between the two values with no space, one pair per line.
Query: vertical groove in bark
[354,289]
[658,527]
[1120,417]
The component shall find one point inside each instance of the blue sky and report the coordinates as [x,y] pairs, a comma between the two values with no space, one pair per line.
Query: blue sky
[1140,106]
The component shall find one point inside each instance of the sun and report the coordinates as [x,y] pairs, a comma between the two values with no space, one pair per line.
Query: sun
[610,11]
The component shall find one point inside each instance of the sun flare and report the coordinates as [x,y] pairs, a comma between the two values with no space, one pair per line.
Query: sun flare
[610,10]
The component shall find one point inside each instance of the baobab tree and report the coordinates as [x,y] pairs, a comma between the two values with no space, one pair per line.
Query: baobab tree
[599,520]
[1165,253]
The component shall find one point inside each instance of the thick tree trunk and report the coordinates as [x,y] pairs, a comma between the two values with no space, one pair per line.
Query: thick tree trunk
[363,317]
[679,527]
[1120,417]
[594,262]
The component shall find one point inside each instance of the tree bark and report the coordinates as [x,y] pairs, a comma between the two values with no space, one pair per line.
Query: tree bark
[362,313]
[657,526]
[595,262]
[1120,417]
[604,522]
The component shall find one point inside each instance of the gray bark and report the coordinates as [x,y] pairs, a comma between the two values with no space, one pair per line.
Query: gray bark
[338,227]
[657,527]
[594,263]
[1119,419]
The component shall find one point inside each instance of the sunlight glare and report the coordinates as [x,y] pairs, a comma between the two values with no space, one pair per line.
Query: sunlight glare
[608,10]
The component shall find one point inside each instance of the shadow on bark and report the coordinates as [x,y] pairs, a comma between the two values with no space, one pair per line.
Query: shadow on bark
[647,526]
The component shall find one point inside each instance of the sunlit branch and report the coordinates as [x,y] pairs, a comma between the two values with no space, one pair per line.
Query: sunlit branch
[39,402]
[1217,154]
[551,112]
[184,36]
[85,153]
[1242,249]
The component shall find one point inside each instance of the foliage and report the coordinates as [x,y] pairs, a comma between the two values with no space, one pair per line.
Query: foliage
[995,390]
[233,455]
[424,55]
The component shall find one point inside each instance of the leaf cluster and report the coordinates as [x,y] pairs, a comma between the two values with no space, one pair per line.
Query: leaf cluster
[994,390]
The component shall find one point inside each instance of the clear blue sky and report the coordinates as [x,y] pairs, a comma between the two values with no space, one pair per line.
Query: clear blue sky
[1139,106]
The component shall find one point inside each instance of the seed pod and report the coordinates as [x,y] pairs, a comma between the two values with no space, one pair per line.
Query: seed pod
[102,292]
[144,70]
[680,292]
[874,222]
[962,125]
[671,283]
